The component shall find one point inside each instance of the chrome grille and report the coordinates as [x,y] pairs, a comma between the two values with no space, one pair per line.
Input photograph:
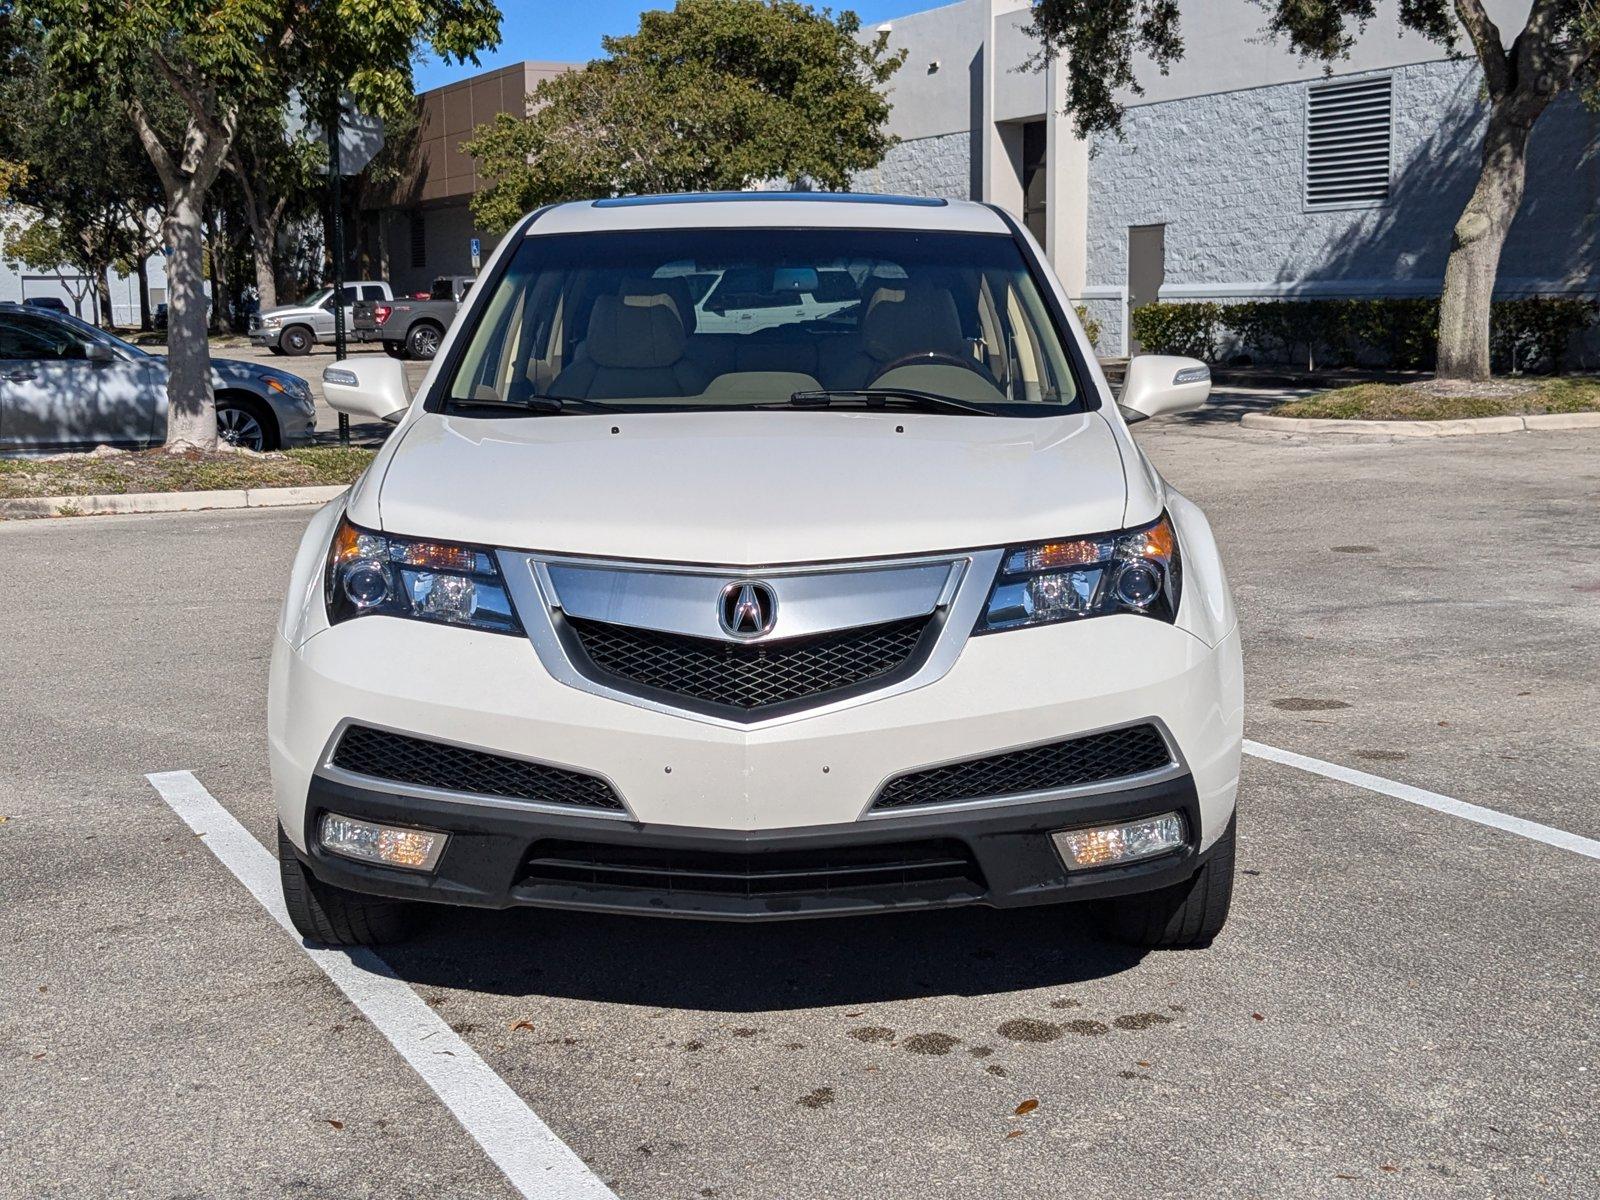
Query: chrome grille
[400,758]
[1093,758]
[748,678]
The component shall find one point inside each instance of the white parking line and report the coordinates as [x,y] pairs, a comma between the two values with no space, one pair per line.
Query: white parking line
[535,1160]
[1547,834]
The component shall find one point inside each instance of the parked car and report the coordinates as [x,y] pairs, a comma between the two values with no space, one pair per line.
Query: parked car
[413,328]
[48,303]
[296,328]
[857,613]
[65,385]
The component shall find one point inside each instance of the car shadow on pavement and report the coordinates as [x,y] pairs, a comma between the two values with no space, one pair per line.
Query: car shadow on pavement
[719,967]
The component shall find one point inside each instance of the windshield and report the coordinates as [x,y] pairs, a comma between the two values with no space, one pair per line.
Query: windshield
[317,298]
[95,333]
[692,319]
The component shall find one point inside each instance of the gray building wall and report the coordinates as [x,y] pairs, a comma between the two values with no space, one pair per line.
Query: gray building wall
[1223,171]
[939,165]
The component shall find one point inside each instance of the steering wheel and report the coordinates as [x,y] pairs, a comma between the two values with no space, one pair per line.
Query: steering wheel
[931,358]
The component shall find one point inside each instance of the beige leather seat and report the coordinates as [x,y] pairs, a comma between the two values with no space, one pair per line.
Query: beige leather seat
[631,350]
[913,318]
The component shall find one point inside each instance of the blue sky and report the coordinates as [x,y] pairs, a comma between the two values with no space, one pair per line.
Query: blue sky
[570,31]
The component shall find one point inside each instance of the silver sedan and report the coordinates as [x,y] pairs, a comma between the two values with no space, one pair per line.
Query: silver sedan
[65,385]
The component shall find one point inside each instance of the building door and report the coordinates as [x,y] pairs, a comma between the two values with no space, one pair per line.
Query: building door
[1034,179]
[1147,270]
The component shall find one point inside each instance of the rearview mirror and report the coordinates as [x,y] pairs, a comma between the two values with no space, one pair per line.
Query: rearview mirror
[370,390]
[1158,384]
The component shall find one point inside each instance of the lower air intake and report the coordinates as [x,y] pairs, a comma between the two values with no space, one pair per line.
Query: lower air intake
[1103,757]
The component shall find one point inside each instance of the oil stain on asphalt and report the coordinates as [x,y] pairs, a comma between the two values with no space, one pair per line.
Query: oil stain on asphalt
[930,1043]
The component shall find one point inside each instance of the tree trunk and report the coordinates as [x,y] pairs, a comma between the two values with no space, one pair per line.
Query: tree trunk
[385,223]
[266,280]
[191,403]
[217,259]
[1479,235]
[143,272]
[102,289]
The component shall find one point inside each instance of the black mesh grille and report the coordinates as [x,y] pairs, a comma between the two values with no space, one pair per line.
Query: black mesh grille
[1094,758]
[803,872]
[749,678]
[403,759]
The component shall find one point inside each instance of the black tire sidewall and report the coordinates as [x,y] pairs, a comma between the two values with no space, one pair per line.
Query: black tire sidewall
[414,350]
[296,340]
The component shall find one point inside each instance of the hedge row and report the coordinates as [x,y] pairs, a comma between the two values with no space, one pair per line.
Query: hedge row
[1525,335]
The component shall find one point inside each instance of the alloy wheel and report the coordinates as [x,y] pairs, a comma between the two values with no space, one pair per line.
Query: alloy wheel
[238,428]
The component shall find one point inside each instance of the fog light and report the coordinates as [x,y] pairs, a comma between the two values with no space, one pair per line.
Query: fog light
[1112,844]
[414,849]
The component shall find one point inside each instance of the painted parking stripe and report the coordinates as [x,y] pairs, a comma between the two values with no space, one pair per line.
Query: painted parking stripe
[1549,835]
[535,1161]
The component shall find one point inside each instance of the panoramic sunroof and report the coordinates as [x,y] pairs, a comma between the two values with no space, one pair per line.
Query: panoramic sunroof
[721,197]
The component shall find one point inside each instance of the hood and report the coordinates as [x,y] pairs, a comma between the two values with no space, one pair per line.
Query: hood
[756,488]
[225,371]
[288,310]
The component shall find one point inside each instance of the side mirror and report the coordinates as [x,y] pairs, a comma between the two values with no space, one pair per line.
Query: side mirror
[99,352]
[1158,384]
[375,389]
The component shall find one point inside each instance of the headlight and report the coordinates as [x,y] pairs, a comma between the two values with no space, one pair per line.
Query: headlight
[271,322]
[375,574]
[1134,571]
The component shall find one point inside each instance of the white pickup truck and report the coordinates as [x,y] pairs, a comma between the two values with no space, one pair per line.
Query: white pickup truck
[295,328]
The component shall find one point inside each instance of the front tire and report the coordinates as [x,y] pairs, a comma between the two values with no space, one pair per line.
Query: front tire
[244,424]
[297,340]
[333,916]
[1186,915]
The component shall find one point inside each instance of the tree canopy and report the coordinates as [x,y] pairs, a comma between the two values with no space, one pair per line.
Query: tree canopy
[707,96]
[220,58]
[1557,50]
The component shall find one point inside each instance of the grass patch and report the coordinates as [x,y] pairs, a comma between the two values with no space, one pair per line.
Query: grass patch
[1439,400]
[158,471]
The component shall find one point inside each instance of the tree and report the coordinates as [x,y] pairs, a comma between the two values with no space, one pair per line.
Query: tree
[278,171]
[710,95]
[40,245]
[219,57]
[87,181]
[1558,49]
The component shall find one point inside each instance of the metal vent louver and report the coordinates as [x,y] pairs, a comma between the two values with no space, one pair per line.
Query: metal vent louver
[1349,126]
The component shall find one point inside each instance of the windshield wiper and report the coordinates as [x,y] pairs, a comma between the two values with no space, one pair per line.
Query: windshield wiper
[535,403]
[875,397]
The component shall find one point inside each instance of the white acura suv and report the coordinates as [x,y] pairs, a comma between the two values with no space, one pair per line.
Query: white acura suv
[876,608]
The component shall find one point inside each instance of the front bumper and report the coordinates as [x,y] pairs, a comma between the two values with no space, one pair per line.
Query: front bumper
[1000,856]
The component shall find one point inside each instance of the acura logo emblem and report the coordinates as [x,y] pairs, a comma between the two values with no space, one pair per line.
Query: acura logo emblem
[747,610]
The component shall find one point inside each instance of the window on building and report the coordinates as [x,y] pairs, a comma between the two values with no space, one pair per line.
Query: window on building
[419,241]
[1349,132]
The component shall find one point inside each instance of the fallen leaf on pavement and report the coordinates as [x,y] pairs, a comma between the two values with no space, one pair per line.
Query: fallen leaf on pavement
[1014,1133]
[335,1124]
[1026,1107]
[523,1025]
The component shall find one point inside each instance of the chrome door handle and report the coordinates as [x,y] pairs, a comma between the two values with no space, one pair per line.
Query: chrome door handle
[17,376]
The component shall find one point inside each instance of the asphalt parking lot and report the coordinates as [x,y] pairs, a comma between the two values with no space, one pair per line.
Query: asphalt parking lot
[1403,1004]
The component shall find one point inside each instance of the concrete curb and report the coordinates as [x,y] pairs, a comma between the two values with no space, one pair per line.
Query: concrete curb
[164,502]
[1423,429]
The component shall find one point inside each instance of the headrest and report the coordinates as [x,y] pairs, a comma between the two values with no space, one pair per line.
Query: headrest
[634,336]
[672,291]
[906,319]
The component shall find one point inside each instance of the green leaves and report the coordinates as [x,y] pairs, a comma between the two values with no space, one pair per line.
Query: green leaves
[711,95]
